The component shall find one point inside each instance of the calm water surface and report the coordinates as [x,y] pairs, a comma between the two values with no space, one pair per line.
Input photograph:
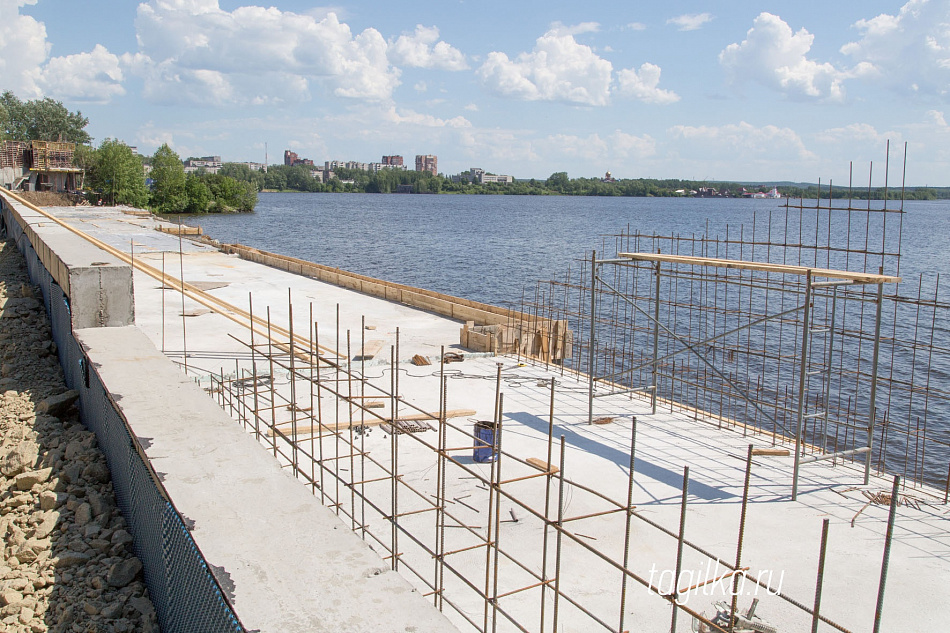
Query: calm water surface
[490,247]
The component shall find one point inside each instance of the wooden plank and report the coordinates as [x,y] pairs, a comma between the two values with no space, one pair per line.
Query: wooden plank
[308,429]
[686,260]
[542,465]
[369,350]
[771,452]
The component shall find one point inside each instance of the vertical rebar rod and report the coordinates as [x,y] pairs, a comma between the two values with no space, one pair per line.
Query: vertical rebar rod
[803,372]
[872,401]
[351,443]
[293,383]
[443,422]
[273,387]
[547,509]
[888,538]
[164,283]
[181,272]
[313,359]
[821,576]
[392,452]
[439,464]
[591,346]
[830,364]
[560,531]
[257,418]
[674,599]
[497,547]
[320,425]
[745,506]
[656,340]
[629,518]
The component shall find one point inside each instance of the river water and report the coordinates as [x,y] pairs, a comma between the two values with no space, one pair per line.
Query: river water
[492,248]
[488,248]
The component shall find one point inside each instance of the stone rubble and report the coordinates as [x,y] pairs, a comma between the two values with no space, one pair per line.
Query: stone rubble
[67,560]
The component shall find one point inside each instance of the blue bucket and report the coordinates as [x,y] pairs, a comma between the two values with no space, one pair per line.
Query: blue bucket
[484,442]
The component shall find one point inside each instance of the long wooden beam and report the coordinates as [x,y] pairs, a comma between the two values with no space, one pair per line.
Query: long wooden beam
[767,267]
[311,429]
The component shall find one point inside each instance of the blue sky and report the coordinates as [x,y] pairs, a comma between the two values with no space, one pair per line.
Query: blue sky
[699,90]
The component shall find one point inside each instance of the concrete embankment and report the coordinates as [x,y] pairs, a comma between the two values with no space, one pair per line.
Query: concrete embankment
[228,540]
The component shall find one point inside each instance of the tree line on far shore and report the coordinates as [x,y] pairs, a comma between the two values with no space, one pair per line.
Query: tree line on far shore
[299,178]
[116,174]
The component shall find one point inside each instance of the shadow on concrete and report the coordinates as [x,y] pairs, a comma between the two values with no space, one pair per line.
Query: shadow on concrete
[644,468]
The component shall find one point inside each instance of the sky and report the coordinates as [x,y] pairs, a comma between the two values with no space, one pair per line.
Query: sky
[739,91]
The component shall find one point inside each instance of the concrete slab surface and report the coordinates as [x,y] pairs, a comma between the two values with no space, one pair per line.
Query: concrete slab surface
[782,537]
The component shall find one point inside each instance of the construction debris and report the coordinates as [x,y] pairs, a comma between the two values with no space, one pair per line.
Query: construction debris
[604,420]
[542,465]
[420,360]
[452,357]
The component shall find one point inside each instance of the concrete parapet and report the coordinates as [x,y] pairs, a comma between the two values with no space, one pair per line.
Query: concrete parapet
[98,285]
[502,330]
[293,565]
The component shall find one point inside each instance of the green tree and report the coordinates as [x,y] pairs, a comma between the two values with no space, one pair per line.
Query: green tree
[198,193]
[116,172]
[41,120]
[168,182]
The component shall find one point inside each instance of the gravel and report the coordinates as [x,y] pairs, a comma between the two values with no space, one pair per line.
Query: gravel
[67,560]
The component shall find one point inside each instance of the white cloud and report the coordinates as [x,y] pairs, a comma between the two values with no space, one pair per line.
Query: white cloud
[636,26]
[423,49]
[642,85]
[742,142]
[23,48]
[630,146]
[410,117]
[420,86]
[255,55]
[472,107]
[557,69]
[94,76]
[574,29]
[775,57]
[937,119]
[690,21]
[858,133]
[910,51]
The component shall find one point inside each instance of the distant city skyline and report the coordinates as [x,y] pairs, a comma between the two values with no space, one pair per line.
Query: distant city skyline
[681,90]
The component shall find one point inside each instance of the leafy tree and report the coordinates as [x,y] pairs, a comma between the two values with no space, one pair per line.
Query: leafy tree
[198,193]
[116,172]
[41,120]
[168,182]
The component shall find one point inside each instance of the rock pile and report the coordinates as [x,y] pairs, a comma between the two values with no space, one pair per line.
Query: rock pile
[67,560]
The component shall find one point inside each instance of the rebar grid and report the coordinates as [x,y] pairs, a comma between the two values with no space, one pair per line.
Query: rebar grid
[725,345]
[388,509]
